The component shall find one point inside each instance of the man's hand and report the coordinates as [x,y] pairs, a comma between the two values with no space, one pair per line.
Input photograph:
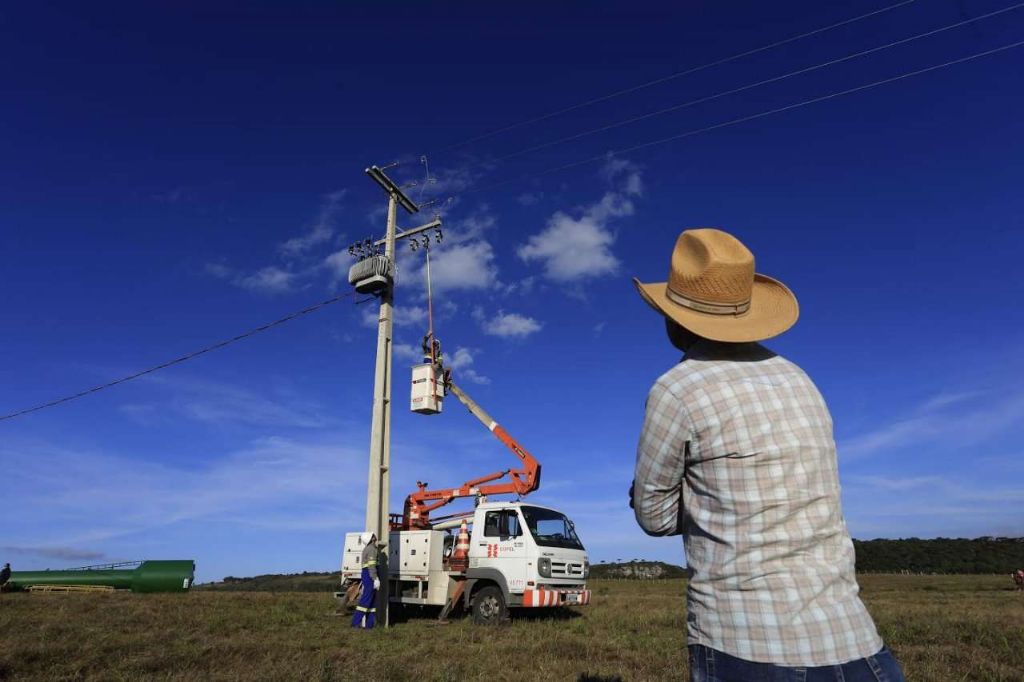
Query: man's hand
[376,583]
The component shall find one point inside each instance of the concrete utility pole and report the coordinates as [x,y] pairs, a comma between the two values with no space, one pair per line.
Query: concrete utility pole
[377,503]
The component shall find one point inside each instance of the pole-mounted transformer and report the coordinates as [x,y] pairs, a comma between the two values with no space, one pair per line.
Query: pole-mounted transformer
[372,275]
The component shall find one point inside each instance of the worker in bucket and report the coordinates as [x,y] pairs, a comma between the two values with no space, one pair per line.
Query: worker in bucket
[737,456]
[366,610]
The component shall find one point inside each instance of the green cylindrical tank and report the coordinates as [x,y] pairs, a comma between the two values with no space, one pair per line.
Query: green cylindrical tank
[164,576]
[148,576]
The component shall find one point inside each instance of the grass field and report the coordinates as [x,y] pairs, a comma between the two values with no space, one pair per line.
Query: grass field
[941,627]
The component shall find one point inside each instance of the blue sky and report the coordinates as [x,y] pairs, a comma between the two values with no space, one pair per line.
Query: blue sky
[173,174]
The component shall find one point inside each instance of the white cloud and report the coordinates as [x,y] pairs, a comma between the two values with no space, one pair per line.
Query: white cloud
[403,316]
[268,280]
[572,248]
[221,404]
[449,181]
[934,422]
[218,270]
[524,286]
[122,495]
[460,362]
[406,352]
[964,505]
[464,260]
[461,266]
[62,553]
[511,325]
[299,265]
[472,376]
[529,198]
[460,359]
[322,230]
[338,264]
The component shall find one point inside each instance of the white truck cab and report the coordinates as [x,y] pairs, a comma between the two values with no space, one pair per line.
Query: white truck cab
[520,555]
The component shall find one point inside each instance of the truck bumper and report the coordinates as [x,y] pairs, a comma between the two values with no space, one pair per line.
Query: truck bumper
[548,598]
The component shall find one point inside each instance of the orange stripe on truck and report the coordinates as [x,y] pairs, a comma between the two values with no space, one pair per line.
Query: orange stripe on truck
[546,598]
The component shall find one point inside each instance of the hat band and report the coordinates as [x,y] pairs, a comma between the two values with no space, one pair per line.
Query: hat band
[705,307]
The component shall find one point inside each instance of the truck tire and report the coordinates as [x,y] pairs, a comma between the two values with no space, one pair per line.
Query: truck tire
[489,606]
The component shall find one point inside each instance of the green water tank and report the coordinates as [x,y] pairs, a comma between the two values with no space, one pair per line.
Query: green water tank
[148,576]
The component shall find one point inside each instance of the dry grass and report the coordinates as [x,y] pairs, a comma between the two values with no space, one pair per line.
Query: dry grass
[942,628]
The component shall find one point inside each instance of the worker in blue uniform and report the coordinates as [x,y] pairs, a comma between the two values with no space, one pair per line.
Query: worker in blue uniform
[366,610]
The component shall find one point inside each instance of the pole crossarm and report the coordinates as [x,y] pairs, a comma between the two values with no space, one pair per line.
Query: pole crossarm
[435,223]
[392,189]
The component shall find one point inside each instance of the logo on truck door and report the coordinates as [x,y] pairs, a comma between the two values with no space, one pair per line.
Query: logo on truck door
[492,551]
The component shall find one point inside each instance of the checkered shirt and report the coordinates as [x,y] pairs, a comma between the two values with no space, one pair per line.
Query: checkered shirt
[737,456]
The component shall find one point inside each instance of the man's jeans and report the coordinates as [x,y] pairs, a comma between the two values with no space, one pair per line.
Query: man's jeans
[709,665]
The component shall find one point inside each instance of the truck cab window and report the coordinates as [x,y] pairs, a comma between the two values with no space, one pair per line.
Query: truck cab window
[492,524]
[512,523]
[502,524]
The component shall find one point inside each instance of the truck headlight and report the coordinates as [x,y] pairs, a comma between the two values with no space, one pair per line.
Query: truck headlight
[544,567]
[586,569]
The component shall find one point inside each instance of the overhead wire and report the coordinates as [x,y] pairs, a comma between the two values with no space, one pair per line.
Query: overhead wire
[750,86]
[184,358]
[736,121]
[665,79]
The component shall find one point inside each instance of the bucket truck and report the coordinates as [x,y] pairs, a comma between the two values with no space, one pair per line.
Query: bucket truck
[507,554]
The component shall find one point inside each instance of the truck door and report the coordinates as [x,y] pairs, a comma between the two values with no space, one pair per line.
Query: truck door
[501,545]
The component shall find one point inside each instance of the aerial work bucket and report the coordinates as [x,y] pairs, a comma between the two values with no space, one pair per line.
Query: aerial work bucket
[427,389]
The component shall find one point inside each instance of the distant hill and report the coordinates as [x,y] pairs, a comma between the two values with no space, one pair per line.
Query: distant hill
[637,570]
[297,582]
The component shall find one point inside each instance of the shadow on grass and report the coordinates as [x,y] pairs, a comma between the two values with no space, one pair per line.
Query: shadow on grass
[546,614]
[428,614]
[587,677]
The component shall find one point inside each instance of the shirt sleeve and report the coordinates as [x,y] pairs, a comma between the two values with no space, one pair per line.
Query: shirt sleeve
[661,464]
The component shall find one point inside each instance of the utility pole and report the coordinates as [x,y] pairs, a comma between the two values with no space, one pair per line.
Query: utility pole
[375,274]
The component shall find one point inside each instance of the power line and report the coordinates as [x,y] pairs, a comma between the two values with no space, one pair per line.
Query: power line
[665,79]
[252,332]
[690,133]
[750,86]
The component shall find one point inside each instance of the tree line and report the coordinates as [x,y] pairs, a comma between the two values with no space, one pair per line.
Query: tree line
[940,555]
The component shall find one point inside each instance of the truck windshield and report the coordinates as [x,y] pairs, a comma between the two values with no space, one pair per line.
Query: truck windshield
[550,528]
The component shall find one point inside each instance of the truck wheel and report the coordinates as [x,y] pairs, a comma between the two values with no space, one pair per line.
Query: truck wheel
[489,606]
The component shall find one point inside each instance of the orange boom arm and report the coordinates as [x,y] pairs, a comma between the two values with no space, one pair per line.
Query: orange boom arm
[522,481]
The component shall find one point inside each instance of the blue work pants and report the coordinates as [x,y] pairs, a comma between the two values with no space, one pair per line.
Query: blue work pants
[709,665]
[366,611]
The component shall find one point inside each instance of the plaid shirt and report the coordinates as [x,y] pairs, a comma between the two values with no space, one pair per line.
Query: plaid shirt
[737,456]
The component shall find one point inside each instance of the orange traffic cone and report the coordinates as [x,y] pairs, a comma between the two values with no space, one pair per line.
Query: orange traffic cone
[460,557]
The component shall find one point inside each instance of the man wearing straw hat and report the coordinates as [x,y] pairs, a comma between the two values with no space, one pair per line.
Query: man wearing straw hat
[737,456]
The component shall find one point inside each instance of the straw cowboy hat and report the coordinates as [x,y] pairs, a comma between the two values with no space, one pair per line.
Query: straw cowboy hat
[713,291]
